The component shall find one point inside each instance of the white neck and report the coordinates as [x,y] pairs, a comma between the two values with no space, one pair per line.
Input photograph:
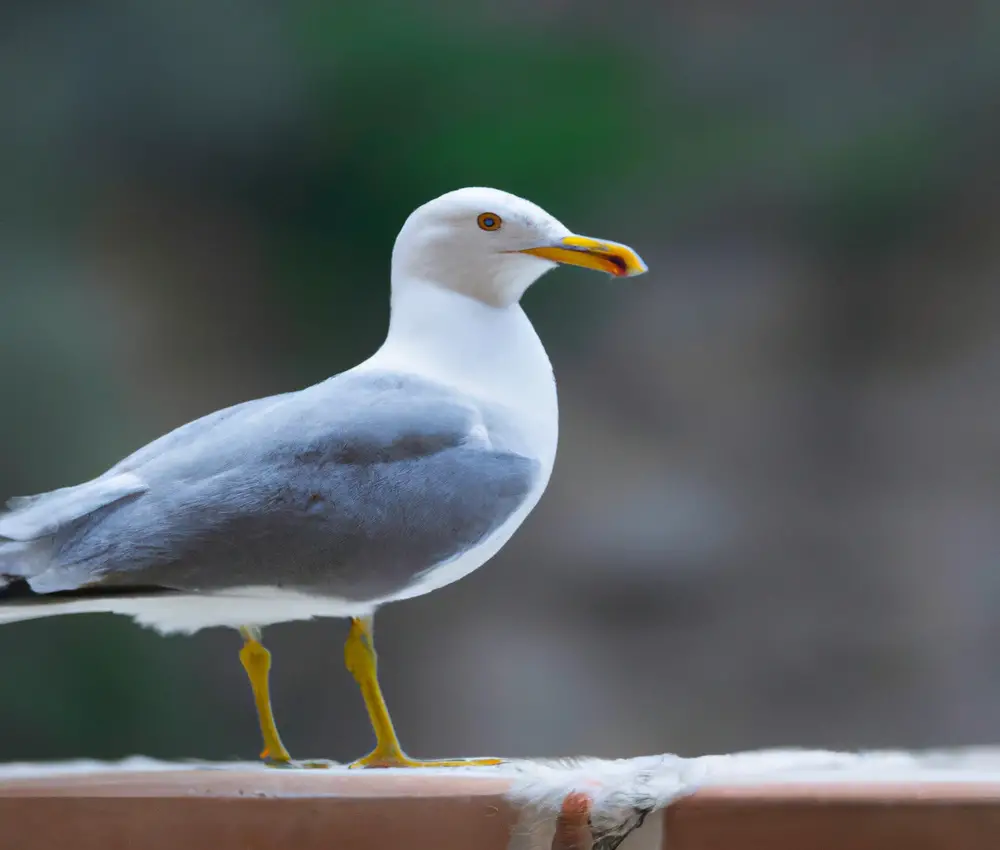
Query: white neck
[490,352]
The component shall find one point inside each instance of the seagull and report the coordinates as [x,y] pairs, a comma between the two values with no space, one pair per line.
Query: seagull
[382,483]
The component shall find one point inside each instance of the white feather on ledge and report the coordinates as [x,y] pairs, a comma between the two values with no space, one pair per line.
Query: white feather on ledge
[625,792]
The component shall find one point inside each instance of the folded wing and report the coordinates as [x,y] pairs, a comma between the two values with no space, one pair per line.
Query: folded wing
[350,489]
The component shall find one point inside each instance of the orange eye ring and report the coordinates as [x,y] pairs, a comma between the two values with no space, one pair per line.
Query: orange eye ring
[489,221]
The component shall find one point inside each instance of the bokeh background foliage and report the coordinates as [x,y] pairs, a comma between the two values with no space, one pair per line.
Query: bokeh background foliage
[773,519]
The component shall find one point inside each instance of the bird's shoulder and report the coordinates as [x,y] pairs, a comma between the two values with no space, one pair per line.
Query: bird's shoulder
[354,417]
[206,428]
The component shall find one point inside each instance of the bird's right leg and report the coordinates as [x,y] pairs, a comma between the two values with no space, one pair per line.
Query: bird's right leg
[359,653]
[256,661]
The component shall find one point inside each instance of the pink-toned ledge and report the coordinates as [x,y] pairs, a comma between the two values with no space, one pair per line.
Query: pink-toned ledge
[254,809]
[838,816]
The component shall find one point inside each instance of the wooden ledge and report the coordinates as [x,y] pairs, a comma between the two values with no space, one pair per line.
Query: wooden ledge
[254,809]
[838,816]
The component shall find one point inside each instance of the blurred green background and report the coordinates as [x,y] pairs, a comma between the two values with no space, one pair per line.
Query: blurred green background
[774,516]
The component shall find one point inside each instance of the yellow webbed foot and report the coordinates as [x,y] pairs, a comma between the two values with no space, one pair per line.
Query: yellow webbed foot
[376,759]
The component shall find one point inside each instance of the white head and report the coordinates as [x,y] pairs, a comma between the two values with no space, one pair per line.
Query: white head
[491,246]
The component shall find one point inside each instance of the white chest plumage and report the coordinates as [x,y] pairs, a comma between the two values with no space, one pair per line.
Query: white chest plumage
[490,354]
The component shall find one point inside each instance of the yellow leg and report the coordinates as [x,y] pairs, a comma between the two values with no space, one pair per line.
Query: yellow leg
[359,654]
[256,661]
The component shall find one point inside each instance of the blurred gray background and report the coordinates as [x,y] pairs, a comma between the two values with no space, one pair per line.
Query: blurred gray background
[774,516]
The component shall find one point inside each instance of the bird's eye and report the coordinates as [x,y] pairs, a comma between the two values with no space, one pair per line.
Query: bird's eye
[489,221]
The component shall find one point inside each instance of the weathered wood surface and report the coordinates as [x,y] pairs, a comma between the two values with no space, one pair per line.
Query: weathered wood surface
[256,809]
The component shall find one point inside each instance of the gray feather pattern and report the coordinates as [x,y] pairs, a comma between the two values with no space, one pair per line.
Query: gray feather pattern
[31,517]
[351,488]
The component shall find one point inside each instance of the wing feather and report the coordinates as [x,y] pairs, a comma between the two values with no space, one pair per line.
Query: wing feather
[351,488]
[32,517]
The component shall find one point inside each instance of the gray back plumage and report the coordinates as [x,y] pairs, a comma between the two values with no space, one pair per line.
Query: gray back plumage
[351,488]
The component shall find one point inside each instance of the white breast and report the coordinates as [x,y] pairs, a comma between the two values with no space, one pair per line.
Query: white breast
[494,356]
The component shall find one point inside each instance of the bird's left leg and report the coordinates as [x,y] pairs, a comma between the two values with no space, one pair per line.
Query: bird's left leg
[359,654]
[256,661]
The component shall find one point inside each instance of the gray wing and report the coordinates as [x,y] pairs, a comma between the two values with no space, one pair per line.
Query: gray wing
[33,517]
[351,489]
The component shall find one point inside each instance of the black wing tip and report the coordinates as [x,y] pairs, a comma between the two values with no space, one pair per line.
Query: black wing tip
[17,591]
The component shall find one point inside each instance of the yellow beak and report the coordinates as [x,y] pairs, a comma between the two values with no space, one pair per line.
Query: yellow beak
[610,257]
